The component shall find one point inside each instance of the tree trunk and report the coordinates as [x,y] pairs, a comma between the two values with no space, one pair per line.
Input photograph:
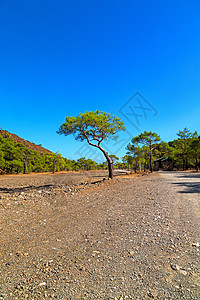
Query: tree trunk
[54,164]
[196,165]
[110,168]
[140,166]
[25,166]
[110,163]
[186,163]
[108,158]
[150,162]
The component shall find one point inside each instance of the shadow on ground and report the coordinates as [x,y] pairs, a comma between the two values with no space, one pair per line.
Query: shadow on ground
[25,189]
[190,175]
[190,187]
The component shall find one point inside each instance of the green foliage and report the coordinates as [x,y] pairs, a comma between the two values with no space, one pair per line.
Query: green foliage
[184,151]
[92,126]
[86,164]
[55,162]
[149,140]
[17,158]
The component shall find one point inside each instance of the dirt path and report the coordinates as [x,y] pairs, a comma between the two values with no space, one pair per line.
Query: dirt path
[133,238]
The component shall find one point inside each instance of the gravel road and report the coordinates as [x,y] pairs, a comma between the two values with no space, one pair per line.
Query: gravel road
[130,238]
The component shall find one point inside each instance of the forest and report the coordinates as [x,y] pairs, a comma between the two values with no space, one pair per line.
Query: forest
[142,152]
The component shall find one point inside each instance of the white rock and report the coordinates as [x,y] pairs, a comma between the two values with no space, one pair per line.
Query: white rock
[182,272]
[195,244]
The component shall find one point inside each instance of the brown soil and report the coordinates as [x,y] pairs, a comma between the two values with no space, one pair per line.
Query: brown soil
[77,236]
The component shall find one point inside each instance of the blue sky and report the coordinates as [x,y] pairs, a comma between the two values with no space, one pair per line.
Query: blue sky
[60,58]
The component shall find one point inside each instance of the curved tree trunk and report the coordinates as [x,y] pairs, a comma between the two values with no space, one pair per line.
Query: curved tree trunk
[108,158]
[110,162]
[110,165]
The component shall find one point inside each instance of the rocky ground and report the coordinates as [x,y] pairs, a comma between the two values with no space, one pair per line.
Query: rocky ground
[77,236]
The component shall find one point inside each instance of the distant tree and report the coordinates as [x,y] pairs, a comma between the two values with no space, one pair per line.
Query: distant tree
[25,156]
[69,164]
[183,146]
[12,156]
[37,162]
[2,160]
[54,161]
[103,165]
[149,140]
[164,150]
[121,165]
[128,159]
[194,149]
[94,127]
[90,164]
[82,163]
[136,154]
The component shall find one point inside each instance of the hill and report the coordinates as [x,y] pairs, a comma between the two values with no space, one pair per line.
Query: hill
[16,138]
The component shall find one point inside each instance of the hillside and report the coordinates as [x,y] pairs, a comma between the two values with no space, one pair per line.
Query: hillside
[16,138]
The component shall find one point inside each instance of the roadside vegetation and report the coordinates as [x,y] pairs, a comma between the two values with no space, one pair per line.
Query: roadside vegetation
[142,151]
[147,148]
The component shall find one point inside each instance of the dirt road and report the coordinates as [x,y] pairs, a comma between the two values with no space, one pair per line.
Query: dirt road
[130,238]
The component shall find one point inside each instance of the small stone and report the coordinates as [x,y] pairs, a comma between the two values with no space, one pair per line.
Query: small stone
[131,252]
[175,267]
[182,272]
[42,283]
[149,294]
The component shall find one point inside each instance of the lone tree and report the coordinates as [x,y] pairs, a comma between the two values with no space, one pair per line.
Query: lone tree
[94,127]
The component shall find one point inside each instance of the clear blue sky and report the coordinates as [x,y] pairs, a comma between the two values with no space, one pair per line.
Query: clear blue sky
[60,58]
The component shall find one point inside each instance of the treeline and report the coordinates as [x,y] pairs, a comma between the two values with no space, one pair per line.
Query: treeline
[147,148]
[16,158]
[143,152]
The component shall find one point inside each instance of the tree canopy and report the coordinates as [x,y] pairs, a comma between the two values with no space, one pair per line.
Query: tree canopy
[94,127]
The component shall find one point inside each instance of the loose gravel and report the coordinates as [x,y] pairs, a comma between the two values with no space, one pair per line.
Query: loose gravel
[79,236]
